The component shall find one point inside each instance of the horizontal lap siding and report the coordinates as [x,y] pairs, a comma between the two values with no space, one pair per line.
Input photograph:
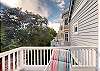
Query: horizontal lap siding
[87,19]
[77,4]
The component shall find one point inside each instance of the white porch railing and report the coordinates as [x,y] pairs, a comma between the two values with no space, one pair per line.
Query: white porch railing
[16,59]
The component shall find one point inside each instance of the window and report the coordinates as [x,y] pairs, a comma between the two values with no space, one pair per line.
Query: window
[66,39]
[66,36]
[66,22]
[75,29]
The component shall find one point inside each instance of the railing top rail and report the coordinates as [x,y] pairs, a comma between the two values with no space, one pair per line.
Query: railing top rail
[9,52]
[62,47]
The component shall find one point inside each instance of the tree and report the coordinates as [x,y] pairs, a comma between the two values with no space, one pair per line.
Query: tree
[24,29]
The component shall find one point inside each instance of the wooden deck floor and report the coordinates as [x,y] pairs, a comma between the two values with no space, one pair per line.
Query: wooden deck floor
[34,68]
[42,67]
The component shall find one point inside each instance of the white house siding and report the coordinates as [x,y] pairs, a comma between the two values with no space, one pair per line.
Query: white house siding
[86,14]
[77,4]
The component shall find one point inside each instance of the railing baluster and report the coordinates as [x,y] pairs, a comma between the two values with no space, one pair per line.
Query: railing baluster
[71,57]
[44,56]
[88,57]
[85,57]
[14,61]
[25,56]
[17,60]
[34,58]
[50,52]
[75,57]
[3,63]
[82,56]
[47,56]
[37,57]
[31,56]
[21,57]
[91,58]
[40,57]
[28,56]
[94,57]
[9,61]
[78,53]
[77,50]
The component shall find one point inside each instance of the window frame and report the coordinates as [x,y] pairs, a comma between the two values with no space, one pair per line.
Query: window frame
[65,22]
[66,37]
[74,28]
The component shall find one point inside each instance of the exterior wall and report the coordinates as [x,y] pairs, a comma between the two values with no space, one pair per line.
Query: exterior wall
[86,14]
[77,4]
[60,34]
[65,17]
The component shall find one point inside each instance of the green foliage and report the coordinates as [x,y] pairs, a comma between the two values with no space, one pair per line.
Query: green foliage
[23,29]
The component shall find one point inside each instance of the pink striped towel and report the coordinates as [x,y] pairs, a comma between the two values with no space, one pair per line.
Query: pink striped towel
[53,65]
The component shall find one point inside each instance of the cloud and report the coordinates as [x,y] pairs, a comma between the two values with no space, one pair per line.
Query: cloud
[54,25]
[11,3]
[60,3]
[35,6]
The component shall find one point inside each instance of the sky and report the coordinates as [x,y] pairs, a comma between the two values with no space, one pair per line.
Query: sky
[51,9]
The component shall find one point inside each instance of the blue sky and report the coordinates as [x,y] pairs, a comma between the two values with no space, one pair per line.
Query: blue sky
[55,8]
[50,9]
